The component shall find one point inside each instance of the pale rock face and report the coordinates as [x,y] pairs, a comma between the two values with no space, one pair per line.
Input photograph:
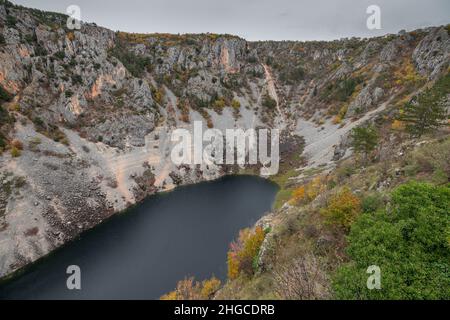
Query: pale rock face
[344,70]
[366,98]
[123,131]
[432,54]
[390,51]
[371,48]
[12,36]
[204,85]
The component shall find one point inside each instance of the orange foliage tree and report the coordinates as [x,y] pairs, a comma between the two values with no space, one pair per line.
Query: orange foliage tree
[308,192]
[188,289]
[244,251]
[342,209]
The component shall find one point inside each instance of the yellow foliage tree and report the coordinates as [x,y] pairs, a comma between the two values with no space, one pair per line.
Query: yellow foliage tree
[233,265]
[342,209]
[406,73]
[235,104]
[188,289]
[219,104]
[172,295]
[15,152]
[243,253]
[159,95]
[210,287]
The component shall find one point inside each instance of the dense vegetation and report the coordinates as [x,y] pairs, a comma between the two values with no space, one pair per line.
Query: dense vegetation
[409,241]
[340,90]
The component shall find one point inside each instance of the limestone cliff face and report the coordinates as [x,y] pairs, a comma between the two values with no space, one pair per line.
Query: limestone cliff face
[93,110]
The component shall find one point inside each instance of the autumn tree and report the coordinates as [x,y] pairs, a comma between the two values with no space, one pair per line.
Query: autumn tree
[342,209]
[189,289]
[244,251]
[309,191]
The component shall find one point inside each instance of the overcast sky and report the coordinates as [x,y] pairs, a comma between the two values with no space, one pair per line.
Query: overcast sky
[256,19]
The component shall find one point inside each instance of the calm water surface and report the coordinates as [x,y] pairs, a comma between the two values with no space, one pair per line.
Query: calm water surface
[142,253]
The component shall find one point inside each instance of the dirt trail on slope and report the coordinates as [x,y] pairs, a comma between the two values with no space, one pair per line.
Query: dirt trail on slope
[123,166]
[271,85]
[320,143]
[272,90]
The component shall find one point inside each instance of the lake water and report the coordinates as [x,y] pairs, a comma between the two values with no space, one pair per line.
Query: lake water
[142,253]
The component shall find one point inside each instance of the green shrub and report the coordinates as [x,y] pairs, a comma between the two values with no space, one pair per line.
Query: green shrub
[5,117]
[268,102]
[5,96]
[2,142]
[346,89]
[410,243]
[30,38]
[292,75]
[11,21]
[340,90]
[40,50]
[77,79]
[39,123]
[60,55]
[371,203]
[345,171]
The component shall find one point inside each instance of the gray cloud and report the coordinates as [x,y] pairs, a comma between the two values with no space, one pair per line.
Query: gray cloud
[256,19]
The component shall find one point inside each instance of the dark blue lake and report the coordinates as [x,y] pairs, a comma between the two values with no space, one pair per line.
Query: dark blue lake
[142,253]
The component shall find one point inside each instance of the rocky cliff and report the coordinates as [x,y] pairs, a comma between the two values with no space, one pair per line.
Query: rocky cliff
[86,114]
